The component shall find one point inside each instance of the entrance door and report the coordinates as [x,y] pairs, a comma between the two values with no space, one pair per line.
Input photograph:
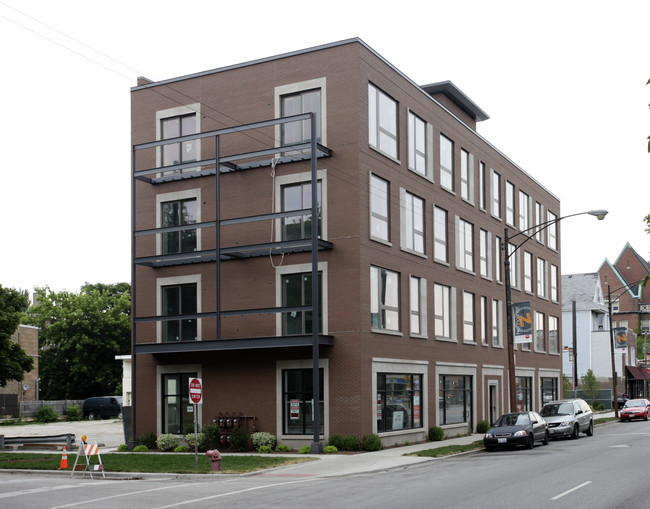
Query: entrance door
[492,403]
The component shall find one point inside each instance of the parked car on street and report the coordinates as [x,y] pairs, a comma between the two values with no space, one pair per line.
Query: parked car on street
[635,409]
[519,428]
[102,407]
[568,418]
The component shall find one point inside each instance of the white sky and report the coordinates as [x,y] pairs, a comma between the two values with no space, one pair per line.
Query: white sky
[564,83]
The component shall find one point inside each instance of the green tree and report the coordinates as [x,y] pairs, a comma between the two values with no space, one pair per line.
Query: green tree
[590,385]
[79,338]
[567,386]
[14,362]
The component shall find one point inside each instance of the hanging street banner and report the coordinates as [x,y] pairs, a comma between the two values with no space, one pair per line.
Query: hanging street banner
[523,322]
[620,337]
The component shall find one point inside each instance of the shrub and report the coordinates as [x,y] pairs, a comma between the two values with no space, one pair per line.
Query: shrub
[140,448]
[212,435]
[282,448]
[200,441]
[73,413]
[122,448]
[350,443]
[45,414]
[264,449]
[371,442]
[147,439]
[600,407]
[167,442]
[436,433]
[189,428]
[482,427]
[182,448]
[239,439]
[263,438]
[305,449]
[336,441]
[330,449]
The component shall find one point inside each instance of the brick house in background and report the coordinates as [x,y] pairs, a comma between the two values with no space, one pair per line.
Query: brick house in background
[26,390]
[404,276]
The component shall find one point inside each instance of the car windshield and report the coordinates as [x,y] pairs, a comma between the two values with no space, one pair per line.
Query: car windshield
[514,420]
[634,402]
[557,409]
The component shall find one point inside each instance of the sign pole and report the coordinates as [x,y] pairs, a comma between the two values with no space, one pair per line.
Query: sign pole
[196,397]
[196,441]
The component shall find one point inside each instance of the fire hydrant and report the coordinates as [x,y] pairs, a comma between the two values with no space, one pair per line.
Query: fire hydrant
[215,459]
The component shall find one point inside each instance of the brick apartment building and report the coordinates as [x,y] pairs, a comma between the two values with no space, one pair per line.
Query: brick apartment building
[15,392]
[399,297]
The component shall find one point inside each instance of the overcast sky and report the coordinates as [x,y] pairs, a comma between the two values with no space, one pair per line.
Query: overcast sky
[564,83]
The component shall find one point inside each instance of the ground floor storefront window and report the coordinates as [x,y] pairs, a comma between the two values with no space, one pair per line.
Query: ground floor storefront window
[524,386]
[298,401]
[176,407]
[549,390]
[399,401]
[455,399]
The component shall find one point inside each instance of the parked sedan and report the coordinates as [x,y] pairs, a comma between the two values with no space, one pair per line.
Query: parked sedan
[635,409]
[519,428]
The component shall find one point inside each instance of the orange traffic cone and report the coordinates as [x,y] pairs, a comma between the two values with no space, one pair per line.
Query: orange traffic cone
[64,459]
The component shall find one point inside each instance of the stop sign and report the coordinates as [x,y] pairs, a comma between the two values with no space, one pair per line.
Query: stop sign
[196,391]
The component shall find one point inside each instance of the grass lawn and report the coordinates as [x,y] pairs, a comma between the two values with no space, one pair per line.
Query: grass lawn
[154,463]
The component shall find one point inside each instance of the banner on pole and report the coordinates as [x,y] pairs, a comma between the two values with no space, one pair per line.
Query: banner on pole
[620,337]
[523,322]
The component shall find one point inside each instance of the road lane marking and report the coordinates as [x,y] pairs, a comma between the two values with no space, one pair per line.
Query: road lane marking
[571,490]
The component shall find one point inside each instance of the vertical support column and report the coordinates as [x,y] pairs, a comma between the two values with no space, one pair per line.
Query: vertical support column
[217,219]
[133,302]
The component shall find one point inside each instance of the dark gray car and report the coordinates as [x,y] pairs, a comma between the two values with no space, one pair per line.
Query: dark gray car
[568,418]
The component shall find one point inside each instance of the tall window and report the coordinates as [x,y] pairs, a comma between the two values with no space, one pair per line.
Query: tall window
[495,194]
[179,300]
[484,323]
[412,222]
[484,240]
[466,176]
[510,203]
[468,317]
[497,326]
[465,243]
[298,401]
[540,332]
[173,127]
[542,290]
[446,163]
[524,393]
[482,185]
[417,144]
[442,310]
[455,399]
[176,405]
[528,272]
[382,121]
[379,209]
[514,266]
[497,258]
[296,291]
[549,389]
[399,401]
[307,101]
[418,306]
[384,299]
[525,211]
[298,197]
[539,219]
[440,234]
[179,213]
[554,283]
[552,231]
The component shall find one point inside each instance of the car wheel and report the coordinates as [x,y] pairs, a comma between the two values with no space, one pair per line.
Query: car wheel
[645,418]
[546,438]
[590,429]
[576,432]
[531,442]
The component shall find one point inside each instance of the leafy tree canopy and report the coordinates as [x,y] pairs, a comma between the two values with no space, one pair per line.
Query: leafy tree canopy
[80,336]
[14,362]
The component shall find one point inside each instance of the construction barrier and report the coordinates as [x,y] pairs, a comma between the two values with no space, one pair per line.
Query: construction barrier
[88,452]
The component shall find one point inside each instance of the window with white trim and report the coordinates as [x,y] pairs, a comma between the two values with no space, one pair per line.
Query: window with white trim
[552,231]
[539,219]
[297,196]
[554,283]
[446,163]
[495,194]
[540,332]
[302,97]
[468,318]
[514,266]
[440,252]
[417,144]
[510,203]
[382,121]
[497,323]
[418,306]
[175,122]
[379,209]
[528,272]
[384,299]
[483,309]
[442,310]
[465,244]
[553,334]
[484,253]
[525,211]
[466,175]
[482,185]
[412,222]
[542,289]
[497,258]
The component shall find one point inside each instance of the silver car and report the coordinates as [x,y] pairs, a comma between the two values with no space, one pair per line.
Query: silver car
[568,418]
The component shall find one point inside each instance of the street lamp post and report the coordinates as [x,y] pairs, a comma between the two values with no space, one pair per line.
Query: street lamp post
[534,230]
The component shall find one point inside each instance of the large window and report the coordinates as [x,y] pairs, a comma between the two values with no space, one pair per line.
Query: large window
[176,404]
[379,209]
[382,121]
[296,291]
[525,211]
[465,245]
[446,163]
[418,305]
[514,266]
[298,197]
[542,286]
[481,185]
[510,203]
[553,335]
[417,144]
[495,194]
[497,258]
[552,230]
[179,300]
[173,127]
[412,222]
[468,318]
[528,272]
[440,235]
[466,175]
[178,213]
[554,283]
[484,253]
[540,332]
[549,390]
[539,219]
[305,101]
[524,393]
[442,310]
[484,322]
[384,299]
[399,402]
[298,401]
[497,323]
[455,399]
